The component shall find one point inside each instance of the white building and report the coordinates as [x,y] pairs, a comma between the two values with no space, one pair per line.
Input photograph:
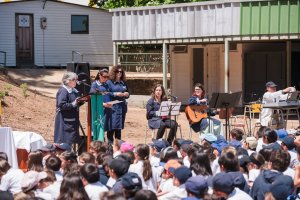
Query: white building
[48,33]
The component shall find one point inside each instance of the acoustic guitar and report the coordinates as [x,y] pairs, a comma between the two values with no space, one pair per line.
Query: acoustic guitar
[195,113]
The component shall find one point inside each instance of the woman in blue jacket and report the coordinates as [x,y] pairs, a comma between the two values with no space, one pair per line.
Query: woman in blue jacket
[67,111]
[119,90]
[157,122]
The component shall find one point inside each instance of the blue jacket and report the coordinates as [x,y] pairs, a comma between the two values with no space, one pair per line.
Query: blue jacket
[193,101]
[119,110]
[67,117]
[153,120]
[263,183]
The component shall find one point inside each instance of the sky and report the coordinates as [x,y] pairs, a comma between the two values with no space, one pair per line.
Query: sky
[81,2]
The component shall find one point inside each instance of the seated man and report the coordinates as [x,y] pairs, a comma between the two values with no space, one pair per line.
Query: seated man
[270,96]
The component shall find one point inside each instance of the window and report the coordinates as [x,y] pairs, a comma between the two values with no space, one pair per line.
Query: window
[80,24]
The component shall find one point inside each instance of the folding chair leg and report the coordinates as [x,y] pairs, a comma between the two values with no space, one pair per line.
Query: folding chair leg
[146,133]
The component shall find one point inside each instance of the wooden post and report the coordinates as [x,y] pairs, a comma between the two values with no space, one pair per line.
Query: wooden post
[89,134]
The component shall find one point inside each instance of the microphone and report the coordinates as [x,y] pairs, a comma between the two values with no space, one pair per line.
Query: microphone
[81,82]
[174,97]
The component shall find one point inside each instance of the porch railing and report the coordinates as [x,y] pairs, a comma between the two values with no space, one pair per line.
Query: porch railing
[3,55]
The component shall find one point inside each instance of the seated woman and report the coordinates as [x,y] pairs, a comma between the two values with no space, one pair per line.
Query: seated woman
[204,125]
[156,122]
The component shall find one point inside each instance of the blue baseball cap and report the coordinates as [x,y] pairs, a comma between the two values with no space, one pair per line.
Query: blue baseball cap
[196,185]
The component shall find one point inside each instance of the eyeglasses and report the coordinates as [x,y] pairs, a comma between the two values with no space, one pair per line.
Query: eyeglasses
[105,76]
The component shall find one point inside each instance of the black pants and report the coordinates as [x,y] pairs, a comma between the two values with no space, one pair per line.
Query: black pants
[115,133]
[167,123]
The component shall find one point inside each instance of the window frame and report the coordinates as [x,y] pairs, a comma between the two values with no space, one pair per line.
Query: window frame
[80,32]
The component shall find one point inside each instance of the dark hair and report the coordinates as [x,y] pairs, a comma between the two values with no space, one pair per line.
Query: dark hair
[168,154]
[229,161]
[237,134]
[53,163]
[87,157]
[193,148]
[163,95]
[176,143]
[98,146]
[90,172]
[257,159]
[50,176]
[280,160]
[130,155]
[72,188]
[101,72]
[266,153]
[111,195]
[69,156]
[145,195]
[261,130]
[143,151]
[270,135]
[3,156]
[199,85]
[113,73]
[200,164]
[298,150]
[72,169]
[4,167]
[35,161]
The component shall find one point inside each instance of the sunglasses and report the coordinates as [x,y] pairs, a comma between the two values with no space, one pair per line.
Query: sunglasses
[119,71]
[105,76]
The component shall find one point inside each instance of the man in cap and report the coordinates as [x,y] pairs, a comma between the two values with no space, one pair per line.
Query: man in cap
[270,96]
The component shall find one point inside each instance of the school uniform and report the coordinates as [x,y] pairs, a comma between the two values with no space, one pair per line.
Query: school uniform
[67,116]
[119,110]
[94,190]
[11,181]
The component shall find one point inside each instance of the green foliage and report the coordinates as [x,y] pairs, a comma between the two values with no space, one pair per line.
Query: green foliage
[7,89]
[2,95]
[109,4]
[24,88]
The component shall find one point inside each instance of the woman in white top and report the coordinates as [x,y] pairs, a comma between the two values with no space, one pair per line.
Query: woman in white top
[149,175]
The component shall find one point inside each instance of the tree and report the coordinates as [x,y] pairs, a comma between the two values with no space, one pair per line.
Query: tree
[109,4]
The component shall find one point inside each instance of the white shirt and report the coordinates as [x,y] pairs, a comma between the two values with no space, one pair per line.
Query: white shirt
[266,113]
[289,172]
[117,153]
[41,194]
[186,162]
[59,176]
[177,194]
[294,159]
[238,194]
[53,189]
[11,181]
[215,167]
[154,161]
[150,184]
[253,174]
[166,185]
[94,190]
[110,183]
[260,144]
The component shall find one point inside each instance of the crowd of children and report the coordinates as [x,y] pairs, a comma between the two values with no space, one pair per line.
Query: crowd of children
[263,166]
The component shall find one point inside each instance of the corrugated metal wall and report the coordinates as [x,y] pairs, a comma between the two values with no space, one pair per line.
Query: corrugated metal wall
[270,17]
[176,22]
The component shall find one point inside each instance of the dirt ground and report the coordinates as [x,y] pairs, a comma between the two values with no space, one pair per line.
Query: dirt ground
[36,113]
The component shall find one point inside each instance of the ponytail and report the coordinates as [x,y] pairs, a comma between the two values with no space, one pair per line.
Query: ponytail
[147,170]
